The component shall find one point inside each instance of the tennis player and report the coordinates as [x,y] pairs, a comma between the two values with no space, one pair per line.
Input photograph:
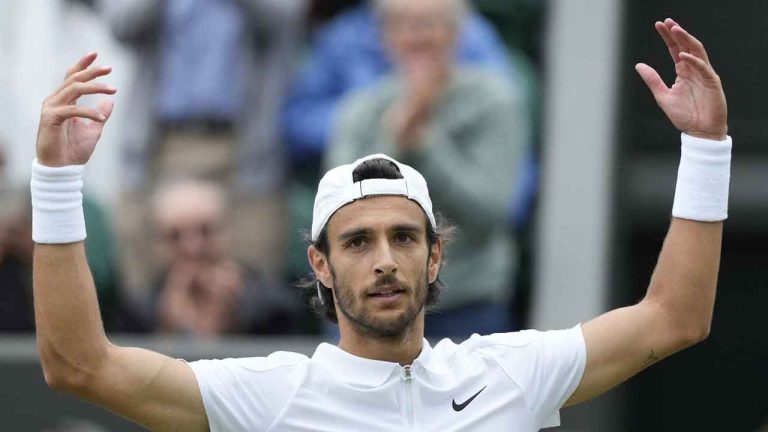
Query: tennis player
[376,254]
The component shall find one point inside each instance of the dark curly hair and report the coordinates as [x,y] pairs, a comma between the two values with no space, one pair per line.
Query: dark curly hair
[370,169]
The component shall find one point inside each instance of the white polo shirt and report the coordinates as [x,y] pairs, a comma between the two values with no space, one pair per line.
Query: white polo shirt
[505,381]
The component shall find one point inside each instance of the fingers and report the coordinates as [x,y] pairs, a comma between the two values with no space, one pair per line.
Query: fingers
[679,40]
[652,80]
[686,48]
[675,35]
[105,108]
[687,52]
[72,92]
[664,31]
[687,43]
[699,65]
[81,64]
[60,114]
[78,83]
[86,75]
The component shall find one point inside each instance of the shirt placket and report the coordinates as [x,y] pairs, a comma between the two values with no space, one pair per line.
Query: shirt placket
[407,376]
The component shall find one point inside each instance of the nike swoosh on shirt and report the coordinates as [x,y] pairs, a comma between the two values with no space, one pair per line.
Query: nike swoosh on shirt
[461,406]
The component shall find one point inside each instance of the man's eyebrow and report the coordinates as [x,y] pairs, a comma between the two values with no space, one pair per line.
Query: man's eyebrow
[353,233]
[413,228]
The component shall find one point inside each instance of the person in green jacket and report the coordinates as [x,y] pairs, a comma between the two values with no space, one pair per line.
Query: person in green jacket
[467,131]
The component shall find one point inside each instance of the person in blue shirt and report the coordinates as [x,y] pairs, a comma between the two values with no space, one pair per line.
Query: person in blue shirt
[205,104]
[346,54]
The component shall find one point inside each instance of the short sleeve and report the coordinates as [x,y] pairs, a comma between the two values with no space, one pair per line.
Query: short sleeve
[247,394]
[548,366]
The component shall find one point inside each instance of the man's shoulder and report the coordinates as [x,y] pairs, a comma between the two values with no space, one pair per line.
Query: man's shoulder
[509,339]
[517,344]
[279,362]
[447,351]
[520,339]
[248,393]
[517,354]
[526,350]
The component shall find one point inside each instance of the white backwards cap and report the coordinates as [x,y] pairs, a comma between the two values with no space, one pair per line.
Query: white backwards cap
[337,189]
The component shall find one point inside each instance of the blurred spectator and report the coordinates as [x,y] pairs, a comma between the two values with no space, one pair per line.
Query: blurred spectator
[16,310]
[210,78]
[203,289]
[467,131]
[16,247]
[347,54]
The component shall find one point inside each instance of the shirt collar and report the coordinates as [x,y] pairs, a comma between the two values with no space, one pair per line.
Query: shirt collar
[361,371]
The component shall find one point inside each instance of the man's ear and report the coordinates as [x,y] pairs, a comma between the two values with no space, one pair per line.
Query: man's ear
[320,265]
[435,258]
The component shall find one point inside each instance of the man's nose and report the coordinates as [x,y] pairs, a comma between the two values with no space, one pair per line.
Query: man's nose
[385,261]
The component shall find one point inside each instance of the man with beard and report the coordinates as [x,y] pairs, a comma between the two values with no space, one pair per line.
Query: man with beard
[442,117]
[376,253]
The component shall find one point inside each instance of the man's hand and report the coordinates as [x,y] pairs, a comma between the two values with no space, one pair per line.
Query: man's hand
[68,132]
[695,103]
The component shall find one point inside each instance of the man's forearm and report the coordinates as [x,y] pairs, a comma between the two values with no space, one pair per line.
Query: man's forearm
[685,279]
[70,334]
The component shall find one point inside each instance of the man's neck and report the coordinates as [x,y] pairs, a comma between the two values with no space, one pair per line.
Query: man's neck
[403,350]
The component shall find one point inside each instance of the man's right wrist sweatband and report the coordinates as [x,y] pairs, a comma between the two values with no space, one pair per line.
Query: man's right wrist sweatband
[57,204]
[703,177]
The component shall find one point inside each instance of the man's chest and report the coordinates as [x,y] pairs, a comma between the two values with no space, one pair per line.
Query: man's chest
[480,401]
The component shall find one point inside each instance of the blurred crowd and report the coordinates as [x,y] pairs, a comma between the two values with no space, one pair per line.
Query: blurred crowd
[237,110]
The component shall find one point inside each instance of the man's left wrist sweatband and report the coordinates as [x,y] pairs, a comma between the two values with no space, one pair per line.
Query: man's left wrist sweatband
[57,204]
[703,178]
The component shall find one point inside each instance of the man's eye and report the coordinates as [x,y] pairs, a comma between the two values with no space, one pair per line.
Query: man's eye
[356,242]
[403,238]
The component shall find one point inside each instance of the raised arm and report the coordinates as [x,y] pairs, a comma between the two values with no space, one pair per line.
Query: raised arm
[155,391]
[677,309]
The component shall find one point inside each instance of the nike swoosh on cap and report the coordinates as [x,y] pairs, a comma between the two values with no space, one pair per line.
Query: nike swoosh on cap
[461,406]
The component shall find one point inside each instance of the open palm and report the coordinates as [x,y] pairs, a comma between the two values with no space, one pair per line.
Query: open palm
[695,103]
[80,136]
[68,132]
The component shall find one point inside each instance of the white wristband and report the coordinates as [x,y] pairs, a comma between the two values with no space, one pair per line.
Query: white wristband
[57,204]
[701,193]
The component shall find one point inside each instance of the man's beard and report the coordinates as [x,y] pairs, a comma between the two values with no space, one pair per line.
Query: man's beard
[354,309]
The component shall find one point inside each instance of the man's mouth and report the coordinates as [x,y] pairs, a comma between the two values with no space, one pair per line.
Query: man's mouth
[386,291]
